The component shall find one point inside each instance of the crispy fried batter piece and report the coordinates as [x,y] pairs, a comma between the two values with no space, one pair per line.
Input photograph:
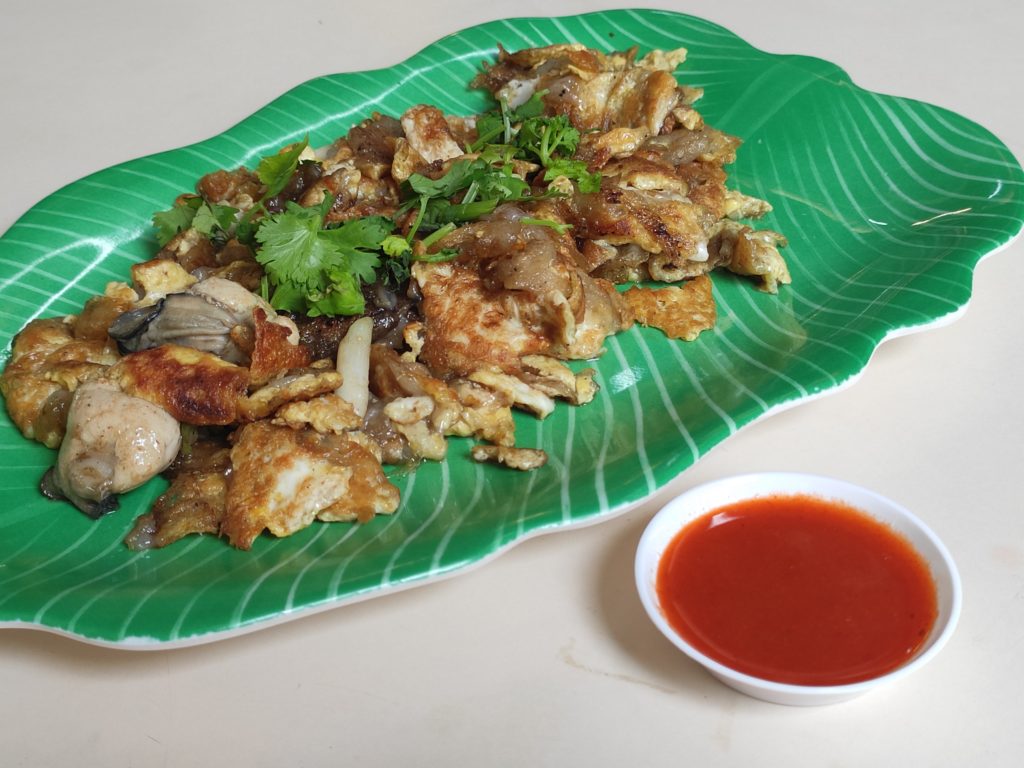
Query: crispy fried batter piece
[515,289]
[156,278]
[47,363]
[324,413]
[393,377]
[194,503]
[516,458]
[466,327]
[753,253]
[298,385]
[680,311]
[486,414]
[596,91]
[273,353]
[194,387]
[282,479]
[357,172]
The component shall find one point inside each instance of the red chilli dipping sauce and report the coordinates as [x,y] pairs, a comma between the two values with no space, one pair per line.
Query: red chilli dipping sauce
[797,589]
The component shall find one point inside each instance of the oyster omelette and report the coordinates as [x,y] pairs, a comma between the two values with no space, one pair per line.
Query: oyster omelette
[342,309]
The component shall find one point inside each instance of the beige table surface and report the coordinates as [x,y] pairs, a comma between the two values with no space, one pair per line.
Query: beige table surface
[543,656]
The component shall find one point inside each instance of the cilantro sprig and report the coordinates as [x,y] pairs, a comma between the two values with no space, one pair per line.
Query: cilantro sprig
[316,270]
[275,171]
[530,135]
[502,122]
[210,219]
[470,189]
[222,221]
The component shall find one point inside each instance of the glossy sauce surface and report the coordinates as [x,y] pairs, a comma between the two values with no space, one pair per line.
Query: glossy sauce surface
[797,589]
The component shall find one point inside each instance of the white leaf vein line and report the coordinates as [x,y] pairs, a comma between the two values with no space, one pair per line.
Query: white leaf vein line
[185,550]
[644,42]
[334,588]
[798,267]
[596,39]
[799,183]
[87,268]
[898,155]
[514,29]
[467,58]
[63,577]
[162,181]
[223,156]
[96,596]
[567,36]
[539,33]
[176,174]
[46,210]
[727,372]
[939,116]
[37,270]
[565,494]
[903,288]
[289,603]
[97,205]
[121,192]
[684,365]
[757,341]
[239,613]
[869,152]
[800,389]
[425,82]
[53,279]
[876,197]
[902,275]
[42,532]
[262,127]
[939,139]
[56,558]
[920,151]
[333,119]
[556,465]
[442,501]
[666,398]
[640,18]
[602,454]
[763,116]
[72,237]
[442,546]
[228,575]
[638,420]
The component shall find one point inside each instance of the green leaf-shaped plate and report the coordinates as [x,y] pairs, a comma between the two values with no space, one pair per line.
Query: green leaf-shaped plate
[888,204]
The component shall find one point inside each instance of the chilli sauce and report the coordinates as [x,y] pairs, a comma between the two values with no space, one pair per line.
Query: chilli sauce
[797,589]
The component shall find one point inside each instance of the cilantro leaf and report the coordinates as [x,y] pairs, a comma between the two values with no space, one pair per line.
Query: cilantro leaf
[209,219]
[483,187]
[503,121]
[574,170]
[274,171]
[358,240]
[343,297]
[489,127]
[213,220]
[316,270]
[459,176]
[177,219]
[545,137]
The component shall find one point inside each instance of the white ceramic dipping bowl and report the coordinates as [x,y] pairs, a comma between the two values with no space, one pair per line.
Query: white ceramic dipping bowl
[696,502]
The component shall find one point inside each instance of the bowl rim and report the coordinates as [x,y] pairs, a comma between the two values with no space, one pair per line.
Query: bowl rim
[680,511]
